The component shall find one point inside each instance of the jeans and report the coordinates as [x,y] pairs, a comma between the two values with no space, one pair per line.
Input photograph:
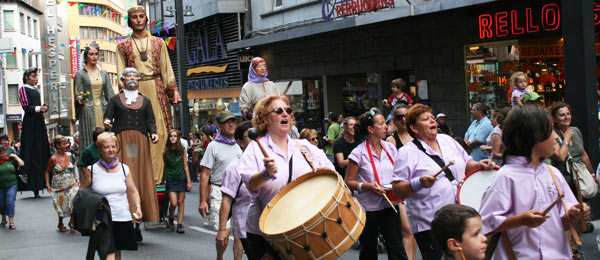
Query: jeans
[7,200]
[331,159]
[387,222]
[429,249]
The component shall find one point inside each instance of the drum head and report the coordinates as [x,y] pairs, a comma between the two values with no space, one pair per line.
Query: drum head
[471,189]
[300,203]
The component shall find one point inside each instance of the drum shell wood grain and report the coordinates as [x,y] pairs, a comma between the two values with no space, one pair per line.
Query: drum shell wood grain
[310,233]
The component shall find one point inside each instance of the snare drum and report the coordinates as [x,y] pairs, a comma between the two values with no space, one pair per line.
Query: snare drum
[471,188]
[313,217]
[390,194]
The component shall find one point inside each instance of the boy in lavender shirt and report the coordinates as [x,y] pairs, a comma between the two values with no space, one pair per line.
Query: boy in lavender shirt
[525,186]
[236,199]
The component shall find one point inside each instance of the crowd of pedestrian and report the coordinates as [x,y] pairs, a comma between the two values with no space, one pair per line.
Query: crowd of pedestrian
[126,145]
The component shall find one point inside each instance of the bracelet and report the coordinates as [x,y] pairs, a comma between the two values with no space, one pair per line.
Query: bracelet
[359,187]
[137,206]
[415,184]
[265,175]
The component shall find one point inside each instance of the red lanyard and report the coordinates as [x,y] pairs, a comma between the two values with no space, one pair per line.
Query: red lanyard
[373,164]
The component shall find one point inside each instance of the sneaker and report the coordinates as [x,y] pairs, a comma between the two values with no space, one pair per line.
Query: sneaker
[170,224]
[590,227]
[180,229]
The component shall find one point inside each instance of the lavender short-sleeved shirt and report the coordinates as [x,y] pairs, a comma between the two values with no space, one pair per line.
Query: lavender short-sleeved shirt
[239,211]
[517,93]
[516,189]
[411,162]
[385,171]
[252,163]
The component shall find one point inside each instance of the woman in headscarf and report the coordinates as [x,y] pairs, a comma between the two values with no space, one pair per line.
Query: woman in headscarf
[257,87]
[93,90]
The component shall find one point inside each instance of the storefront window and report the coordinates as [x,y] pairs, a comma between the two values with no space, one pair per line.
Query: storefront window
[489,68]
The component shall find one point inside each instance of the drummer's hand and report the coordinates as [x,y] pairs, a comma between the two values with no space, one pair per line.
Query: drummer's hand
[427,180]
[533,218]
[223,237]
[270,166]
[579,212]
[203,208]
[373,187]
[486,164]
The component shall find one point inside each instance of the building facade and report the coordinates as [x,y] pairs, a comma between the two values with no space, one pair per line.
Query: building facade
[214,74]
[21,26]
[451,53]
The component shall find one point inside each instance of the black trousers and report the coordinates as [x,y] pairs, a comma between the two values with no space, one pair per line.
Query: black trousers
[247,248]
[260,248]
[388,222]
[429,249]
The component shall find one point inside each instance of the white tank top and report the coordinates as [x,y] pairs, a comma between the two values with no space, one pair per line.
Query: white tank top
[112,185]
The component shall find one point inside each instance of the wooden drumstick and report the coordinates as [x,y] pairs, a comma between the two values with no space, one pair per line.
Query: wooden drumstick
[552,205]
[443,169]
[253,135]
[386,198]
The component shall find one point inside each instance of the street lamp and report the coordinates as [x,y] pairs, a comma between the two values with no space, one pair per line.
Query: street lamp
[181,68]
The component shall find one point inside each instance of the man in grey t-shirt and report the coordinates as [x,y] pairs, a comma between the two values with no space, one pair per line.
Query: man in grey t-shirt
[219,154]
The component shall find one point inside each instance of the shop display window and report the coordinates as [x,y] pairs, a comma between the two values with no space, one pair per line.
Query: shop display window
[489,70]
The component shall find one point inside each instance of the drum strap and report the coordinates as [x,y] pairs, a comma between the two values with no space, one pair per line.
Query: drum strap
[372,162]
[436,159]
[306,156]
[574,234]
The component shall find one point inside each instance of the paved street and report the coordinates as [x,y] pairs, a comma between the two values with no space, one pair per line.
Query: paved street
[36,238]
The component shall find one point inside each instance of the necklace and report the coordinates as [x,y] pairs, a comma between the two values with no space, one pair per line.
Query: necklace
[143,54]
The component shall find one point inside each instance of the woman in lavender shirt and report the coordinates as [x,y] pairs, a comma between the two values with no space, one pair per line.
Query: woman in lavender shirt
[525,186]
[414,179]
[264,177]
[371,166]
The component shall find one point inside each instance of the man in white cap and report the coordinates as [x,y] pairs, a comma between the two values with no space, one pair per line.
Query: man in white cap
[148,54]
[443,128]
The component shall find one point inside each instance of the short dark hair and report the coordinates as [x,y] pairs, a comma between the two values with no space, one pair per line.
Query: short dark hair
[97,131]
[450,222]
[558,105]
[523,128]
[333,116]
[398,106]
[4,137]
[361,128]
[400,84]
[501,114]
[206,130]
[28,72]
[241,128]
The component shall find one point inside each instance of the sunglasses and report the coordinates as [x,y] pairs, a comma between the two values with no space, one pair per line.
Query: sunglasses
[280,110]
[400,117]
[314,139]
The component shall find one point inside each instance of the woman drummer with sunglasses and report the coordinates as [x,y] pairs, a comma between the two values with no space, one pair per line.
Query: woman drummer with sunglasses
[264,177]
[311,135]
[370,167]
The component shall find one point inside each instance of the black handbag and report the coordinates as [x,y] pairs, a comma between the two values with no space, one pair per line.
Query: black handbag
[21,176]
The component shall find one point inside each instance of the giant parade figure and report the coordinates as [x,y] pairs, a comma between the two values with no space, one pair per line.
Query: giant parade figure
[148,54]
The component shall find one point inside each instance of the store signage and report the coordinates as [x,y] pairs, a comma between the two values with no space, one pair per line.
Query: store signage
[74,43]
[212,83]
[52,59]
[341,8]
[208,48]
[545,51]
[14,118]
[519,21]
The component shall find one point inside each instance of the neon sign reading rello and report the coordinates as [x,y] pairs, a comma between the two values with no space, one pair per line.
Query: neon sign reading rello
[516,22]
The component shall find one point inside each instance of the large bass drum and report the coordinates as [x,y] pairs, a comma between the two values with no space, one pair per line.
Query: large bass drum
[471,188]
[313,217]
